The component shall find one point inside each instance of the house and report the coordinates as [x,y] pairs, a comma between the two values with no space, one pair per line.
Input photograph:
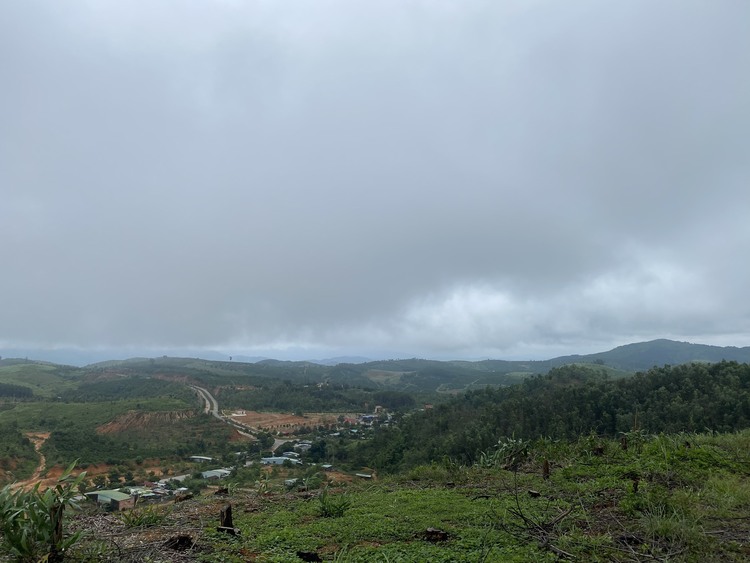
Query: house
[216,474]
[139,491]
[279,460]
[112,500]
[200,458]
[144,494]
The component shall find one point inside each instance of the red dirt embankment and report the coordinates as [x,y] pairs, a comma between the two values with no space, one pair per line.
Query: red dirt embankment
[283,422]
[141,420]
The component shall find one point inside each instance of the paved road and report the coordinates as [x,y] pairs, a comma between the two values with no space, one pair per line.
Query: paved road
[212,405]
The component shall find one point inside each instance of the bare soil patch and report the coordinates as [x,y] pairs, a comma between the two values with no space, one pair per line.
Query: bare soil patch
[283,422]
[141,420]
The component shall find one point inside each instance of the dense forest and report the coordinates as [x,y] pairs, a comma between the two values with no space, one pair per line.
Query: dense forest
[564,404]
[14,448]
[286,396]
[127,388]
[15,391]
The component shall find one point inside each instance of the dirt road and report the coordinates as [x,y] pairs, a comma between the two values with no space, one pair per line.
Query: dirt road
[38,439]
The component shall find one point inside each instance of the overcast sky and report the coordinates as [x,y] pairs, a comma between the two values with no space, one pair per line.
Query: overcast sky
[390,178]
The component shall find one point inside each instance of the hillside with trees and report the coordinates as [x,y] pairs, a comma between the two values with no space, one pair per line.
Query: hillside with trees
[564,404]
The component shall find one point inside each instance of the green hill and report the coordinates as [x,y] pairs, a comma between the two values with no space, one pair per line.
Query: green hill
[644,355]
[411,375]
[564,404]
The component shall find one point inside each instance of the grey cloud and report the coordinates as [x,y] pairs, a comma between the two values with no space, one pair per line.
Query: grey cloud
[438,178]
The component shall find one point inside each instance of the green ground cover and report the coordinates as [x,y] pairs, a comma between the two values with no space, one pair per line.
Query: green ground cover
[41,416]
[73,429]
[45,380]
[679,497]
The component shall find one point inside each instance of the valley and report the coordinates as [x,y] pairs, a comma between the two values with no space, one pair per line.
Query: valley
[615,454]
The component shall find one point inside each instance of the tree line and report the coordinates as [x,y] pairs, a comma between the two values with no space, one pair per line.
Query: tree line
[287,396]
[565,403]
[15,391]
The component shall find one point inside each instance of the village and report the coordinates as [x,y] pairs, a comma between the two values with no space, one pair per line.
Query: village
[286,465]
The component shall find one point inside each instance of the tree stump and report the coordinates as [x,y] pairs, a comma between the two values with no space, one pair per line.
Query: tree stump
[226,524]
[434,535]
[310,556]
[180,542]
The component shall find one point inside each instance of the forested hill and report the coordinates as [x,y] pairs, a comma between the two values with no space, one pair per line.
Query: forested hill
[413,375]
[568,402]
[644,355]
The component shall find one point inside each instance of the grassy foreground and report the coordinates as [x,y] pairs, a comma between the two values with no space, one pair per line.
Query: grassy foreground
[679,497]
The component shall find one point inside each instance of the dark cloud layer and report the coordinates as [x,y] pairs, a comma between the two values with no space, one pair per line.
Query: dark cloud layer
[398,178]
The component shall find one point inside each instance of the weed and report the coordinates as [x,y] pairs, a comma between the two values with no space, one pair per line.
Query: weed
[342,555]
[143,517]
[661,523]
[333,507]
[509,453]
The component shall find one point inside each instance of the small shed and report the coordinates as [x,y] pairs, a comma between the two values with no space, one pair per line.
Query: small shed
[112,499]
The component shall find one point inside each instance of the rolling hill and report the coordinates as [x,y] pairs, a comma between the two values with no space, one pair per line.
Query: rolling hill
[414,375]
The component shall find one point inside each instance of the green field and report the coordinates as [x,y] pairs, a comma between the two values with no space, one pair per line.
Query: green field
[45,380]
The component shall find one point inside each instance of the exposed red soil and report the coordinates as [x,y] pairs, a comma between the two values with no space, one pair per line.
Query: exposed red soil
[140,420]
[283,422]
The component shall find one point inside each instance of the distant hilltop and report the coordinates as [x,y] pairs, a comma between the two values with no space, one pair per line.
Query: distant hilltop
[630,358]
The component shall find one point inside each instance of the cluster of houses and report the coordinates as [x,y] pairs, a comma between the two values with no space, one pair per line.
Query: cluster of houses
[127,497]
[122,499]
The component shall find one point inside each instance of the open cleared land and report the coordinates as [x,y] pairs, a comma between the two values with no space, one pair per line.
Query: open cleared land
[283,422]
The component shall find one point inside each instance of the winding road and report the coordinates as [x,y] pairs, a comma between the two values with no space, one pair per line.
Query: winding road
[211,404]
[38,439]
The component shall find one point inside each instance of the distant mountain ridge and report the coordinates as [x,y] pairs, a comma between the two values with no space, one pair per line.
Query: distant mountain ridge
[424,375]
[641,356]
